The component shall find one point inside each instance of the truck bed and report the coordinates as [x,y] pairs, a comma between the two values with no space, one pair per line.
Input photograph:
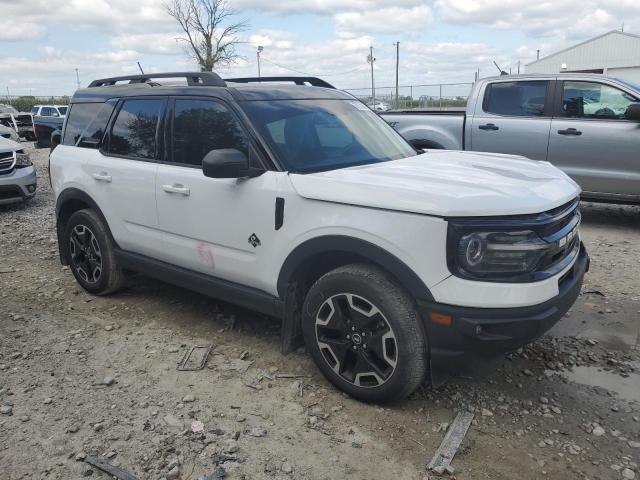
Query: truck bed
[429,130]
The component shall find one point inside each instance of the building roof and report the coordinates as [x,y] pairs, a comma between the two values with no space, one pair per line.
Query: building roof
[612,32]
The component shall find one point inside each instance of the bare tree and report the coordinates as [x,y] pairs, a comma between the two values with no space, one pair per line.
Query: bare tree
[209,36]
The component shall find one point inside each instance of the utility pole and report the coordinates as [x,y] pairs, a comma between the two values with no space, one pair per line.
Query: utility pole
[518,67]
[260,49]
[371,59]
[78,78]
[397,69]
[538,54]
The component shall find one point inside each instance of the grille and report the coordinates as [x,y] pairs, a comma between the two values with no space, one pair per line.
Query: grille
[7,162]
[559,227]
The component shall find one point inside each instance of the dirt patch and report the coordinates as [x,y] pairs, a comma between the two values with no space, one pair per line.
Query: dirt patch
[83,375]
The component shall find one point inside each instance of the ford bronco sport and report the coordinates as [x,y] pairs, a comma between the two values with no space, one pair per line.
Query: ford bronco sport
[300,202]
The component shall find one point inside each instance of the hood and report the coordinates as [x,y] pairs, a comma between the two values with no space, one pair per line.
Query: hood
[445,183]
[7,145]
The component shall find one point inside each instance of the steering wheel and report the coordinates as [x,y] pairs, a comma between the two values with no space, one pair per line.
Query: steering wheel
[605,112]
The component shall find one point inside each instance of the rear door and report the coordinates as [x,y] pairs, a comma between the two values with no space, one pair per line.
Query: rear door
[513,117]
[592,141]
[216,226]
[123,173]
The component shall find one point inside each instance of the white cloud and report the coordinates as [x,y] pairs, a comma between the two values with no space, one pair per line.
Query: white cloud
[326,7]
[568,19]
[104,15]
[157,43]
[16,31]
[385,20]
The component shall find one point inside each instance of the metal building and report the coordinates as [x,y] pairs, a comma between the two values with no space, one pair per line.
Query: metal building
[616,54]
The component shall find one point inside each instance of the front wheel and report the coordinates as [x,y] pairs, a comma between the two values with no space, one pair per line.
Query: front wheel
[362,330]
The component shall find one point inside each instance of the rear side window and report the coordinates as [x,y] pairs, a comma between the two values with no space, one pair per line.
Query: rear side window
[86,124]
[516,99]
[134,131]
[200,126]
[46,112]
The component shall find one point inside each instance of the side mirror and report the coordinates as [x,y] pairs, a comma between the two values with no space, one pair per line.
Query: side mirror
[228,163]
[633,112]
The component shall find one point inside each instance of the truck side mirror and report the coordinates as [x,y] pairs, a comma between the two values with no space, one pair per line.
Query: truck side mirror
[633,112]
[56,137]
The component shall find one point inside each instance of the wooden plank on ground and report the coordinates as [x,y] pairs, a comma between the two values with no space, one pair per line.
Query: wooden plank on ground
[452,440]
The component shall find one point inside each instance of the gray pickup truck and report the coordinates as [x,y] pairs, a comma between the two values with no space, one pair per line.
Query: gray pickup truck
[588,125]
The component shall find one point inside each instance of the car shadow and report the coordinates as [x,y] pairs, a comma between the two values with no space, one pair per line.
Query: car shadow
[610,215]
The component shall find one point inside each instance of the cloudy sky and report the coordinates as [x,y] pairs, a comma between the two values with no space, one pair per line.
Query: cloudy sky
[43,42]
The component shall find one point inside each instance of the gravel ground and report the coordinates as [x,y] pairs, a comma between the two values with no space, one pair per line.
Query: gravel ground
[90,376]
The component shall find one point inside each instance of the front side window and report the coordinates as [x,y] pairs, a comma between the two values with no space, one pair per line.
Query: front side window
[62,110]
[134,132]
[317,135]
[516,99]
[200,126]
[595,100]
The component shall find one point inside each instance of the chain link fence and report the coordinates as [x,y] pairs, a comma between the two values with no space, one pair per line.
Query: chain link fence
[437,96]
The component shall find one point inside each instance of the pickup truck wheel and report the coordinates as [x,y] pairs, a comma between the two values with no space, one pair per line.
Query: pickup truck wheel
[363,332]
[90,252]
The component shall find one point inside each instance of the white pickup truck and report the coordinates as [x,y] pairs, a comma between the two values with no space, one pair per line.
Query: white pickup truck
[585,124]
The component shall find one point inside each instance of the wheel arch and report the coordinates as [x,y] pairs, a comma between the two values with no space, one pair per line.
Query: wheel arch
[70,201]
[314,251]
[317,256]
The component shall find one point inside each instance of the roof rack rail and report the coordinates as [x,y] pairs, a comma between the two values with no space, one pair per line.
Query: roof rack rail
[313,81]
[206,79]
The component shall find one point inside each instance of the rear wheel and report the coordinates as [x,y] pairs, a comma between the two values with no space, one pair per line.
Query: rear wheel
[363,331]
[90,252]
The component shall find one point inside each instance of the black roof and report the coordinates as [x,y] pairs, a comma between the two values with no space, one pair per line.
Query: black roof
[209,84]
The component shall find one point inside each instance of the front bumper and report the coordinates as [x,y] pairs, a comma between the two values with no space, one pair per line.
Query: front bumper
[461,333]
[18,186]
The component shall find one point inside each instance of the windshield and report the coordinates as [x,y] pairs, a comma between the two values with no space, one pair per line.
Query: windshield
[318,135]
[635,86]
[62,110]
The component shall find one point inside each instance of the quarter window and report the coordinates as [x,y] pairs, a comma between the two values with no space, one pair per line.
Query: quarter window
[517,99]
[595,100]
[86,124]
[200,126]
[134,132]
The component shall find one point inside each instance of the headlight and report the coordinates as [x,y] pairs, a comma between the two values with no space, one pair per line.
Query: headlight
[23,160]
[486,253]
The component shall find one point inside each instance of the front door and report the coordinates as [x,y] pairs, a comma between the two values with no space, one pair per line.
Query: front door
[513,118]
[593,142]
[215,226]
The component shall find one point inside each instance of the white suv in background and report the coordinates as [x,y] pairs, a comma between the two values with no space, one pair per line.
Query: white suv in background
[299,202]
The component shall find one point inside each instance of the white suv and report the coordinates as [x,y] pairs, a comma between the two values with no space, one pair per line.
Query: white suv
[299,202]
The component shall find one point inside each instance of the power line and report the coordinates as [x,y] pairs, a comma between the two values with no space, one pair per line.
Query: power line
[311,74]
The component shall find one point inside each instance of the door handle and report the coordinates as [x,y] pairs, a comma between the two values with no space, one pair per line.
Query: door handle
[102,177]
[177,188]
[570,131]
[489,126]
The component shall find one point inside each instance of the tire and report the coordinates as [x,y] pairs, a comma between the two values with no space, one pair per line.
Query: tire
[356,304]
[90,253]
